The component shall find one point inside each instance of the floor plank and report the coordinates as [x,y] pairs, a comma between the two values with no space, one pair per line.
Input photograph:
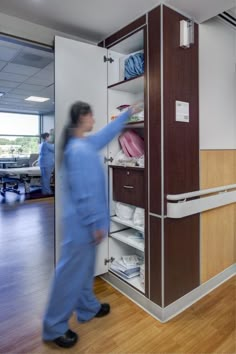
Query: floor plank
[26,266]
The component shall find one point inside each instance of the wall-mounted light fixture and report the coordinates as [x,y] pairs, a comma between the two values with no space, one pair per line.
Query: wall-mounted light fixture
[186,33]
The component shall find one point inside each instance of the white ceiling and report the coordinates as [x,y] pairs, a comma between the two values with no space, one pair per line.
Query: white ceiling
[24,72]
[96,19]
[202,10]
[232,12]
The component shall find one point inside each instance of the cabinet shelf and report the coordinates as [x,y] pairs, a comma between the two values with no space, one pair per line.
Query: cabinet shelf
[134,85]
[138,124]
[134,282]
[125,236]
[135,168]
[128,223]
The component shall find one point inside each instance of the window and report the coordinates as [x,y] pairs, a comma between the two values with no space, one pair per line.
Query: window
[19,135]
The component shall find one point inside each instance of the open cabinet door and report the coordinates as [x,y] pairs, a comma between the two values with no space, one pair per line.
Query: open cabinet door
[80,74]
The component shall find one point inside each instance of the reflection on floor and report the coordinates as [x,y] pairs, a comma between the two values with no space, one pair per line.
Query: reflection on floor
[26,265]
[35,193]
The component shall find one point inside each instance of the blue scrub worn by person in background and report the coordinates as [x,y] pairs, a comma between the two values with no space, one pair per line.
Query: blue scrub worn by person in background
[85,222]
[46,163]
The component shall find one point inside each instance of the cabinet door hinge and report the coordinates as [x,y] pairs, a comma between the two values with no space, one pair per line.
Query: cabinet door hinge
[108,59]
[108,260]
[108,160]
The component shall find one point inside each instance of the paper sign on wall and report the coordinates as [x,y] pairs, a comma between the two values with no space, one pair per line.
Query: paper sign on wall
[182,111]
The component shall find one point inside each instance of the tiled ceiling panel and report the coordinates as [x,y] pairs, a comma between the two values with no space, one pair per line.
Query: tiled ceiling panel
[48,91]
[20,69]
[2,64]
[37,60]
[8,83]
[32,88]
[50,67]
[7,54]
[24,72]
[14,95]
[12,77]
[4,89]
[40,81]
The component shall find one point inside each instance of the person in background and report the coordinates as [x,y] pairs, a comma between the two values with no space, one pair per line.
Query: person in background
[46,163]
[85,222]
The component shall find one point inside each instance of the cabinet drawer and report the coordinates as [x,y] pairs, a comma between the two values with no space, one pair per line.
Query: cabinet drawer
[128,186]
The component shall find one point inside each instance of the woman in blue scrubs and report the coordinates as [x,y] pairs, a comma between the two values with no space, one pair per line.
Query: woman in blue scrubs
[46,163]
[85,221]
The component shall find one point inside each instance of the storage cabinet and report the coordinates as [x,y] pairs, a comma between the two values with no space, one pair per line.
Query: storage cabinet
[128,186]
[168,268]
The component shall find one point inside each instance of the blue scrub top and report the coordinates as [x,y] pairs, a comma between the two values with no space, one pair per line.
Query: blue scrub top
[83,179]
[46,155]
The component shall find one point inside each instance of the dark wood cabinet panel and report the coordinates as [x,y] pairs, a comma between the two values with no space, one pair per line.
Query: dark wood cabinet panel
[125,31]
[181,157]
[181,257]
[155,260]
[154,53]
[181,140]
[128,186]
[180,147]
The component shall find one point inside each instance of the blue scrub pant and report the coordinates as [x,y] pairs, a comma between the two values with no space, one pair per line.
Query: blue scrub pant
[46,173]
[72,289]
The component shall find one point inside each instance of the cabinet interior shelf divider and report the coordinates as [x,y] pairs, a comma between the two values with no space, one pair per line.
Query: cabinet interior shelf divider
[128,223]
[134,85]
[136,168]
[122,236]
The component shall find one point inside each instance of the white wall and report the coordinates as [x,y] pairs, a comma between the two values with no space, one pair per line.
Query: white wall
[217,64]
[48,122]
[28,30]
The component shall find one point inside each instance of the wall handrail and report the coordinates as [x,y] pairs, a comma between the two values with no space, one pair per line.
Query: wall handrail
[184,196]
[179,207]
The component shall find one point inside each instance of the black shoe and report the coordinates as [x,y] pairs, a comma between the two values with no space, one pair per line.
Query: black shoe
[68,340]
[104,310]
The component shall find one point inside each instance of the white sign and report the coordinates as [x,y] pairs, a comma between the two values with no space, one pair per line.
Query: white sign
[182,111]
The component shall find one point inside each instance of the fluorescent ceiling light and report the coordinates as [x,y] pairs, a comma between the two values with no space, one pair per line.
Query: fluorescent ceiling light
[37,99]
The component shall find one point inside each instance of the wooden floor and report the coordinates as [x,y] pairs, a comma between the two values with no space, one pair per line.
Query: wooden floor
[26,265]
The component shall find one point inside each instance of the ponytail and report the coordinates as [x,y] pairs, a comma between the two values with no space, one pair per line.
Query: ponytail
[44,136]
[77,110]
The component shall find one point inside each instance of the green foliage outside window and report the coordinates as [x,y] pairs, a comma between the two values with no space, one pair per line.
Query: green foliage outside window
[20,146]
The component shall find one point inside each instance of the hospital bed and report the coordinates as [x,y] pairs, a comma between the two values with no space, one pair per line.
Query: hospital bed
[14,176]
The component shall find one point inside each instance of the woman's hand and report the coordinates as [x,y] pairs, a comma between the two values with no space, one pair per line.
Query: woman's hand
[98,236]
[137,107]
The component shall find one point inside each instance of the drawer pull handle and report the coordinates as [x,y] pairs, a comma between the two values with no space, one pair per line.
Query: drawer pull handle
[129,187]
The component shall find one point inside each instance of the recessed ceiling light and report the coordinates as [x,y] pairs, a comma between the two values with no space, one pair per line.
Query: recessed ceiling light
[37,99]
[1,94]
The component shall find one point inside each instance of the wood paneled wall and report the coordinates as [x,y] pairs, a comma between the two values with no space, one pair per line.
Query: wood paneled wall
[218,226]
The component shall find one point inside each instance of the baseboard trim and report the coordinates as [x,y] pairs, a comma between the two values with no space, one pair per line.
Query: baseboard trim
[180,305]
[134,295]
[195,295]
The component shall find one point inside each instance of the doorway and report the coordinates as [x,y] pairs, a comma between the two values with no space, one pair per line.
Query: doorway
[27,239]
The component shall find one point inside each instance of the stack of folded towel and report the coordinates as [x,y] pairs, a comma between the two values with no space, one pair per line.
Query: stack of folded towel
[127,266]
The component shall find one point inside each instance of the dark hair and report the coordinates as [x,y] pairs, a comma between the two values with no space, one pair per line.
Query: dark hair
[45,136]
[77,110]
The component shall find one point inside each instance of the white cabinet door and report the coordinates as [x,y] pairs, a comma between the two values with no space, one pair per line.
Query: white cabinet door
[80,74]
